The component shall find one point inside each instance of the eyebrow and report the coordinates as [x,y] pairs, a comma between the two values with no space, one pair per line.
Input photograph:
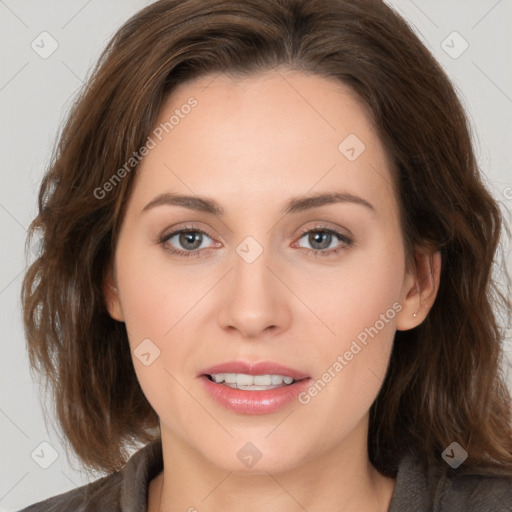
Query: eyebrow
[295,205]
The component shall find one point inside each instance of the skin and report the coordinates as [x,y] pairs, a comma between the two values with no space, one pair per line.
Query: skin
[251,145]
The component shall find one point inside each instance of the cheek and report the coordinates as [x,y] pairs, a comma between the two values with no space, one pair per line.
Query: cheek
[155,294]
[359,304]
[364,290]
[156,300]
[160,307]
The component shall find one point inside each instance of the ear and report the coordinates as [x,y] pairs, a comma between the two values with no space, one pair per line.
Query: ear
[419,292]
[111,295]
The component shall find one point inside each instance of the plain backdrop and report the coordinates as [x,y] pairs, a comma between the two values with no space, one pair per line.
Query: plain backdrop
[472,39]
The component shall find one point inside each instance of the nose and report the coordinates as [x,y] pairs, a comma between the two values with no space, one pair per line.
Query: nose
[254,301]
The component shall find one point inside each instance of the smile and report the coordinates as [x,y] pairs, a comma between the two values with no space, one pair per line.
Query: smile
[253,388]
[251,382]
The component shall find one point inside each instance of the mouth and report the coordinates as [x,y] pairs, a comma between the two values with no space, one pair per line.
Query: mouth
[253,388]
[251,382]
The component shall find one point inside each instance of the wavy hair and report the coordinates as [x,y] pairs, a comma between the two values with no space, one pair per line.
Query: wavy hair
[444,382]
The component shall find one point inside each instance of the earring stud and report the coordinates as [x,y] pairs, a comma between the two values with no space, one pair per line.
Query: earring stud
[415,315]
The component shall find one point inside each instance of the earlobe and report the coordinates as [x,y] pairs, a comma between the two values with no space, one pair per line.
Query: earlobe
[420,290]
[111,295]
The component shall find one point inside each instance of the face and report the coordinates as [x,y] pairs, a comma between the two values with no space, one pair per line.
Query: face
[272,283]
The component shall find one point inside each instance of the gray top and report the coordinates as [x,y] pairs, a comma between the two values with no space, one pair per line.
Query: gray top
[439,489]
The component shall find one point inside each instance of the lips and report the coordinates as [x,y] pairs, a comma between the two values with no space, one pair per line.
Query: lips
[222,384]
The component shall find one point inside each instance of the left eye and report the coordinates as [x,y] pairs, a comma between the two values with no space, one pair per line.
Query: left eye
[321,240]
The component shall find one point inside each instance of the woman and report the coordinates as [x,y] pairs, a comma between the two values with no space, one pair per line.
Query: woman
[267,256]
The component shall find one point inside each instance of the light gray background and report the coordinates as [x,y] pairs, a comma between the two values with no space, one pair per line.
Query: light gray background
[35,95]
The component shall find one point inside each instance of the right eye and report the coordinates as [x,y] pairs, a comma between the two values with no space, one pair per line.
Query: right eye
[190,240]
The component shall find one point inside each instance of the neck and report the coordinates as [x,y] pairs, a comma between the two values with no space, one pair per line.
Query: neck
[340,479]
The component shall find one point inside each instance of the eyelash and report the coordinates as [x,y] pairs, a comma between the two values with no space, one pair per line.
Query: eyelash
[316,252]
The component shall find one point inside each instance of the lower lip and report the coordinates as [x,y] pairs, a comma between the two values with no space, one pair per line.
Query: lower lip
[254,402]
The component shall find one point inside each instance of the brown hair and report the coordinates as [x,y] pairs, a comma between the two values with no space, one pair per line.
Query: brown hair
[444,381]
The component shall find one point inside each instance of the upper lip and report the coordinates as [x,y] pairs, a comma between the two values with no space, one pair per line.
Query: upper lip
[254,368]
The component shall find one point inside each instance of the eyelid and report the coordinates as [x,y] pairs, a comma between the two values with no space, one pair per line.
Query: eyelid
[328,228]
[168,233]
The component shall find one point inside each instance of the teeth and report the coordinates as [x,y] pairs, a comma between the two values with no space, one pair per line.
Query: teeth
[229,378]
[244,381]
[264,380]
[276,379]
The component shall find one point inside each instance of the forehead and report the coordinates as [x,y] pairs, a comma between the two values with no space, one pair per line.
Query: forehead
[266,135]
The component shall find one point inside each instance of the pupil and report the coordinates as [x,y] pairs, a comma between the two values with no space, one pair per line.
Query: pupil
[188,238]
[320,235]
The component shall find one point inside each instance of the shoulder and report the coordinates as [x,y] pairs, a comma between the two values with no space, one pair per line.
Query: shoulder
[477,492]
[440,488]
[104,492]
[120,491]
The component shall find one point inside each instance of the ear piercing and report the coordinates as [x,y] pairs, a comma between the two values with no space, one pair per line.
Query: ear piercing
[415,315]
